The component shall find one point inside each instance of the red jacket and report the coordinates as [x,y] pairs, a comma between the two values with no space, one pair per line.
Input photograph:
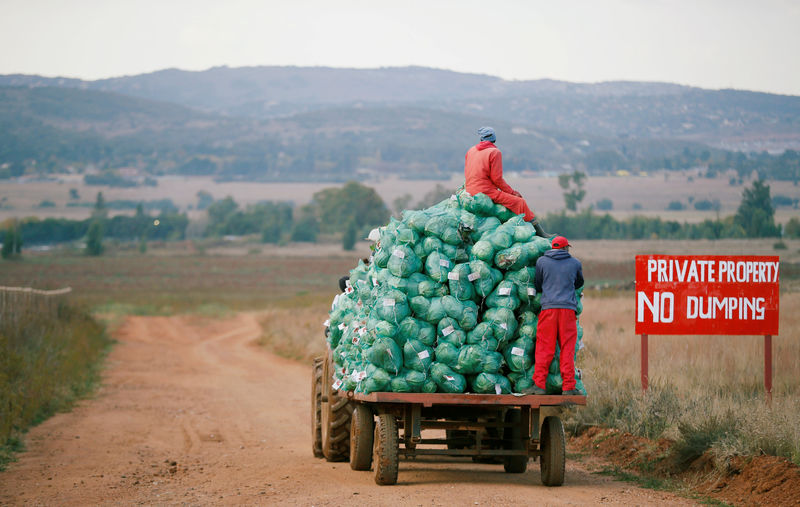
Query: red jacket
[483,170]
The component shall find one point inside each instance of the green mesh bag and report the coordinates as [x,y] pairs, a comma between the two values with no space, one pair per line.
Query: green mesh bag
[467,222]
[417,356]
[503,323]
[499,239]
[527,325]
[391,306]
[579,297]
[483,277]
[430,310]
[397,282]
[512,258]
[429,386]
[446,353]
[413,282]
[377,380]
[386,354]
[523,279]
[492,362]
[399,384]
[580,386]
[443,225]
[416,220]
[523,232]
[432,244]
[415,329]
[523,380]
[382,328]
[487,226]
[403,261]
[431,289]
[449,331]
[448,380]
[482,332]
[535,248]
[503,213]
[491,383]
[482,250]
[553,383]
[406,236]
[504,296]
[469,316]
[519,354]
[453,307]
[480,204]
[437,267]
[470,360]
[460,286]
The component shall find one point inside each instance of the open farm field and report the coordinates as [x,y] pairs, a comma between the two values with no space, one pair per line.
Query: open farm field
[650,195]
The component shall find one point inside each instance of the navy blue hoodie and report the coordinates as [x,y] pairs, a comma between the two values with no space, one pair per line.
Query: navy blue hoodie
[558,274]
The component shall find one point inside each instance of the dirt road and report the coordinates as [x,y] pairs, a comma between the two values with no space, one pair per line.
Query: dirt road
[192,412]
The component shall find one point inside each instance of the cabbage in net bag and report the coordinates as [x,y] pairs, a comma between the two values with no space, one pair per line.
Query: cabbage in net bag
[448,380]
[491,383]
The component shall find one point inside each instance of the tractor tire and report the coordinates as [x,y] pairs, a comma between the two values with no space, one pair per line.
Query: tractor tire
[336,412]
[362,434]
[386,457]
[512,439]
[316,407]
[553,452]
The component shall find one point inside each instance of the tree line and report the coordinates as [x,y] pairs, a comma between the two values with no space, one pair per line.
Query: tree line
[351,210]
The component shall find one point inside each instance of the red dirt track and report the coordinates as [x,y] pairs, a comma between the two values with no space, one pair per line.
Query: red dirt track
[191,411]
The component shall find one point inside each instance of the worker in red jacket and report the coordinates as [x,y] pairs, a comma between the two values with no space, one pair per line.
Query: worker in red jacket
[483,172]
[558,275]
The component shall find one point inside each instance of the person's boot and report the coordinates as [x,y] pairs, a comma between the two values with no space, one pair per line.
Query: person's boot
[539,231]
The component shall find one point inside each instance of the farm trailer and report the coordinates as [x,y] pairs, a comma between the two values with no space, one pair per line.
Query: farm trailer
[366,428]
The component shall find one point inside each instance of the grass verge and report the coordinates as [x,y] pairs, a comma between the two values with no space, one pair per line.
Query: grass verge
[47,363]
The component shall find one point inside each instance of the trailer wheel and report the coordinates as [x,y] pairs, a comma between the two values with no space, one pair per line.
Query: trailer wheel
[385,457]
[316,407]
[553,452]
[362,433]
[336,411]
[512,439]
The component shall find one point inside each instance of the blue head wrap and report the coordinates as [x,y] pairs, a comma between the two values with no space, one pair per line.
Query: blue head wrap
[487,134]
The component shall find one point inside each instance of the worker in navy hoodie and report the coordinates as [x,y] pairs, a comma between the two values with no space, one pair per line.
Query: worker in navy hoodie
[558,274]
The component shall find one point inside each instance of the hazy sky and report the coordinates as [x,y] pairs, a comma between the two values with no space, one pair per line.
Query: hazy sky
[709,43]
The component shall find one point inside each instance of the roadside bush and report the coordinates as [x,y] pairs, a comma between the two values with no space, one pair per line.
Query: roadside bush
[46,364]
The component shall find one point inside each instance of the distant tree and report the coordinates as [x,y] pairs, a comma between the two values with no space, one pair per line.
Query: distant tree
[47,204]
[572,184]
[349,237]
[94,238]
[12,241]
[792,228]
[335,208]
[706,205]
[219,213]
[605,204]
[306,227]
[675,206]
[100,210]
[204,200]
[271,231]
[73,194]
[756,214]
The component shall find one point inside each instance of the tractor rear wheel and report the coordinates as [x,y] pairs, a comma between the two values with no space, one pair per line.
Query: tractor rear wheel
[336,411]
[316,407]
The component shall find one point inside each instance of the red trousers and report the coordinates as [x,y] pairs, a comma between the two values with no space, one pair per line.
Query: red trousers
[556,324]
[512,202]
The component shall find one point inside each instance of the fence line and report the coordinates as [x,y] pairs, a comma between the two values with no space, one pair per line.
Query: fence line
[17,303]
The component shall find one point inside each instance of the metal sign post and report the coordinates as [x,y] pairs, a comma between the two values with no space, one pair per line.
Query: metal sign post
[707,295]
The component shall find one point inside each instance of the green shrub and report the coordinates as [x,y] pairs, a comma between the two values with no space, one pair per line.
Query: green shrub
[46,363]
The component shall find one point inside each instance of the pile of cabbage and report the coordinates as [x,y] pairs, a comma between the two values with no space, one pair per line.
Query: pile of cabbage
[446,304]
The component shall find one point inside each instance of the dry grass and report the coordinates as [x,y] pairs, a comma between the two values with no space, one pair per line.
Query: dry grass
[294,329]
[706,391]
